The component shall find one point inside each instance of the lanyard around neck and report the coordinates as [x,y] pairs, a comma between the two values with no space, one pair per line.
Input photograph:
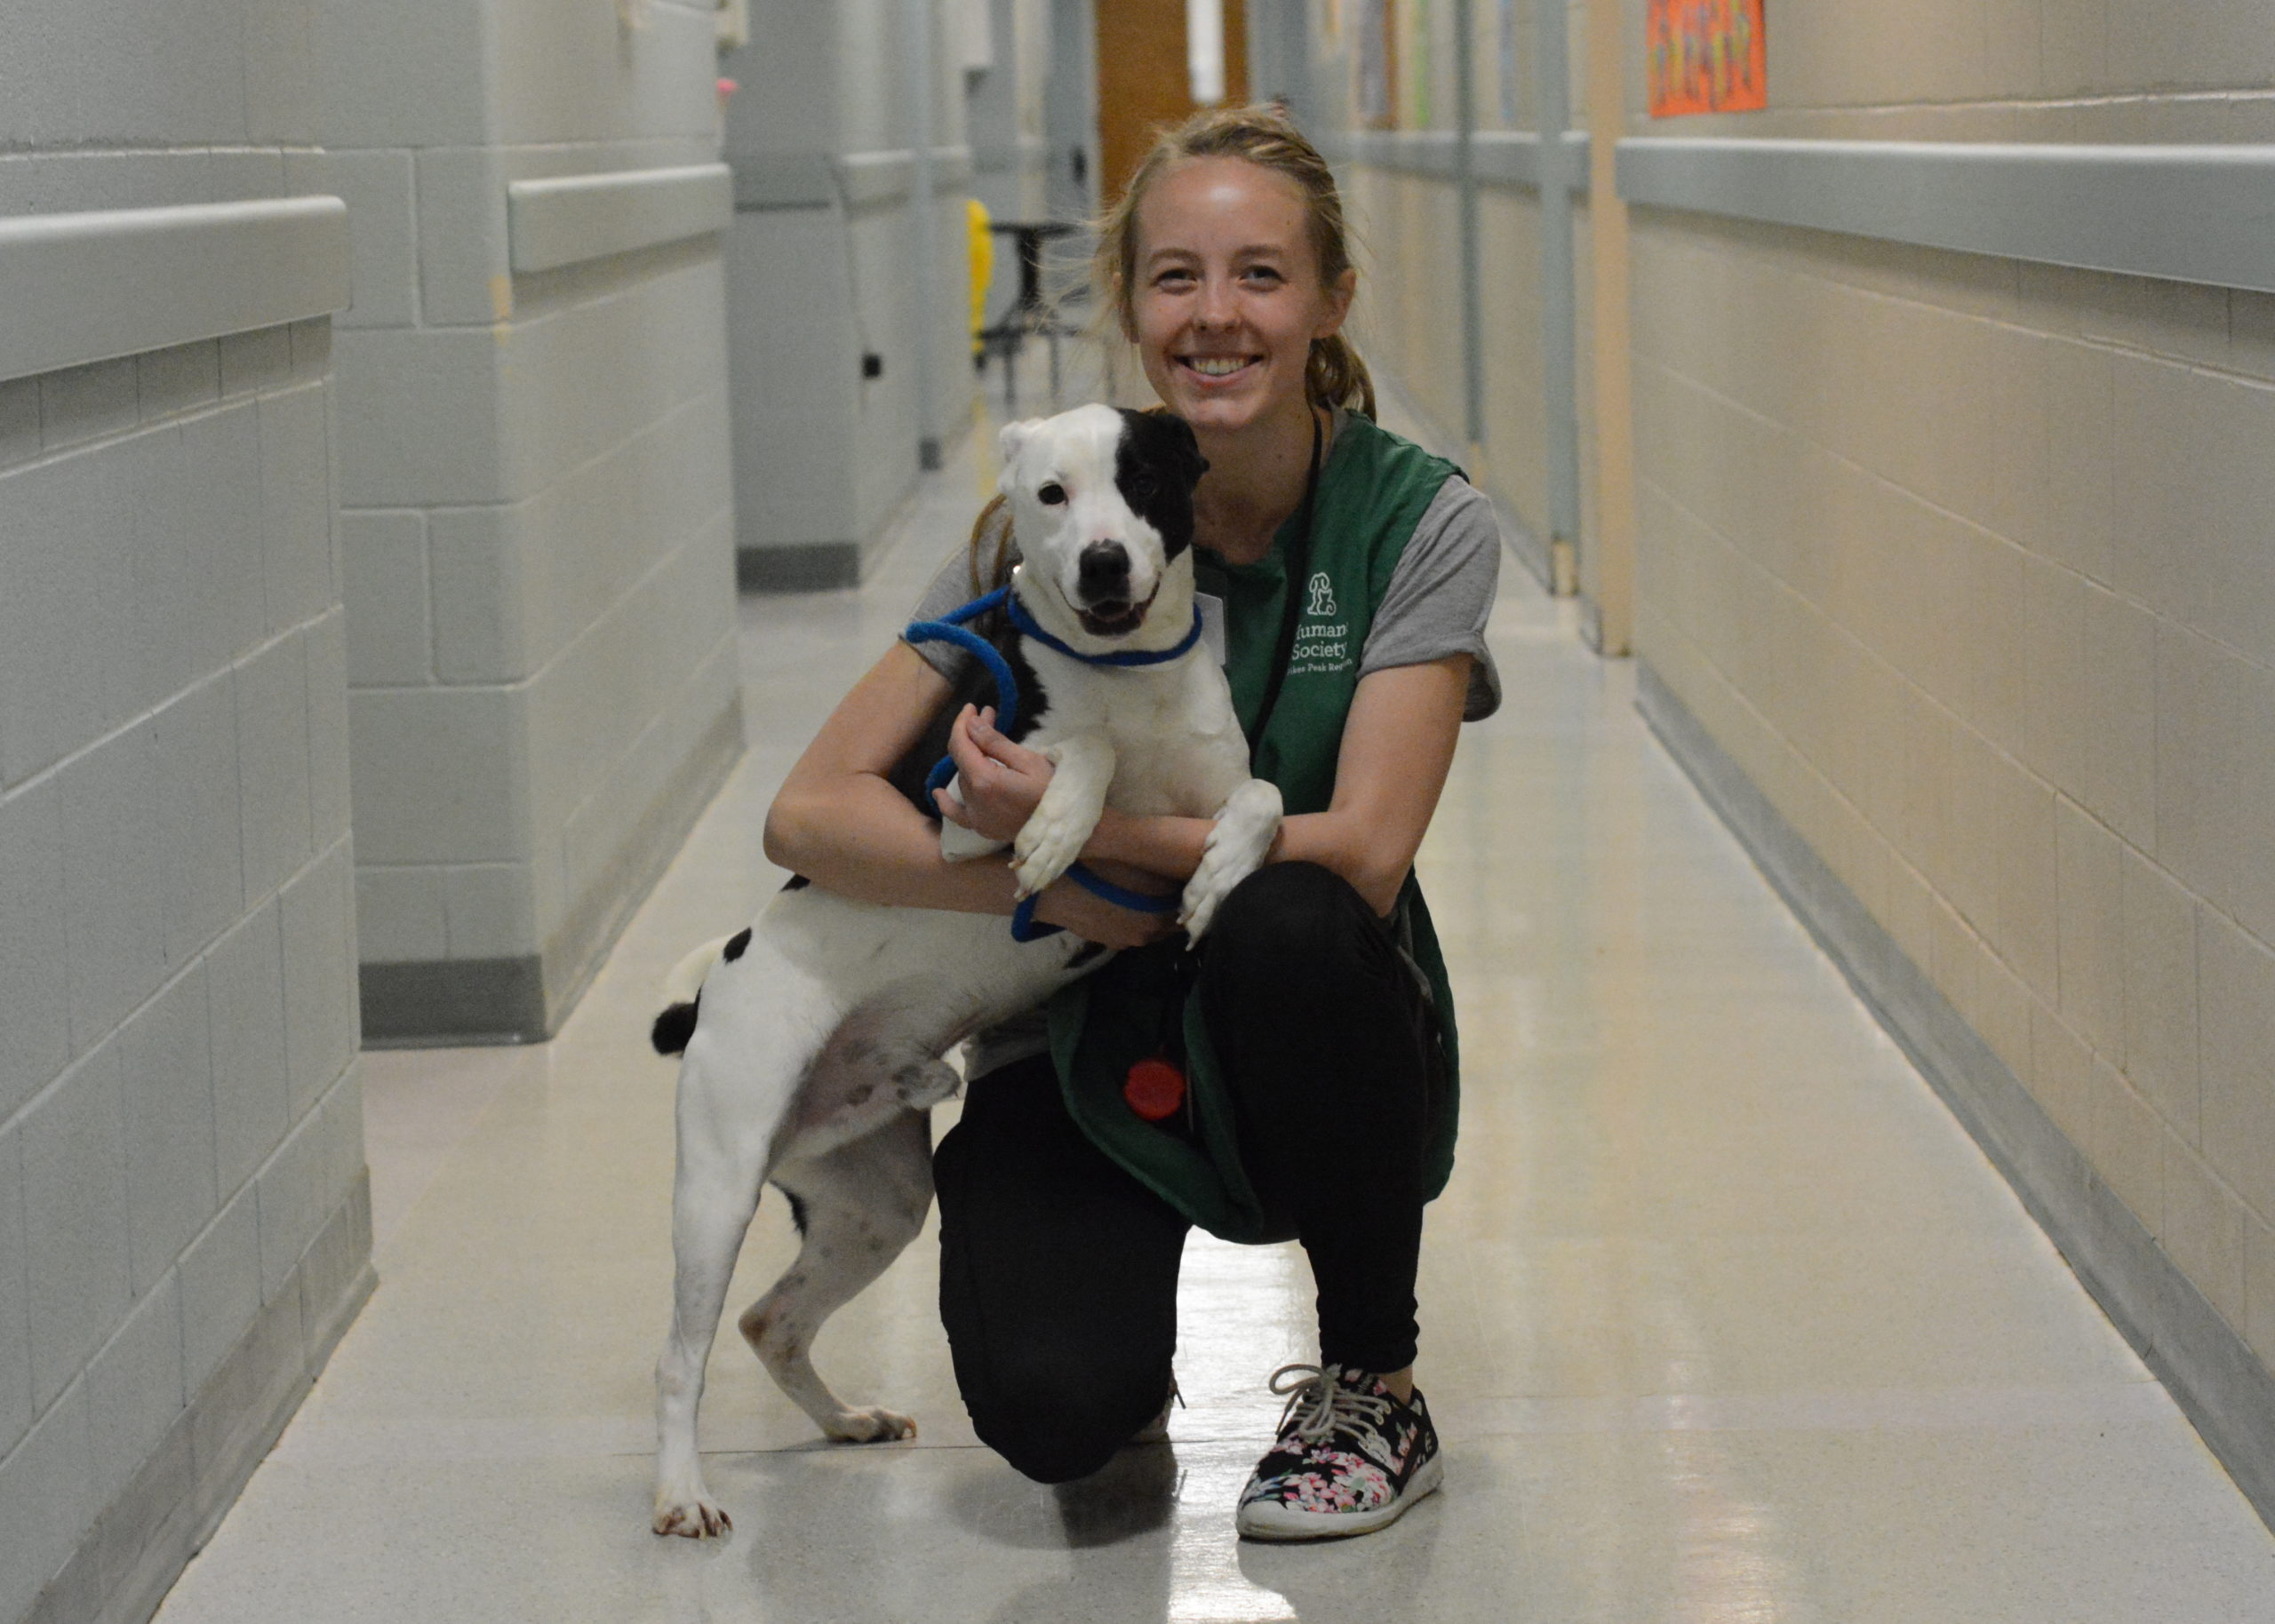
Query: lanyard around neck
[1298,565]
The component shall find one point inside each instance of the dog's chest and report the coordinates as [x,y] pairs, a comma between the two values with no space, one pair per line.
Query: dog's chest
[1177,747]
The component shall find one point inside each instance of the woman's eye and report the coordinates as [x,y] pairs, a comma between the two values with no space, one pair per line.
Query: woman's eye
[1051,495]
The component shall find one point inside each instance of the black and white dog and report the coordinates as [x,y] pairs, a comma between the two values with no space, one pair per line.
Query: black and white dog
[818,1038]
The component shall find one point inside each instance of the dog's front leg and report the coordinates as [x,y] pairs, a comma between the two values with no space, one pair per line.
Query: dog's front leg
[958,843]
[1245,828]
[1055,832]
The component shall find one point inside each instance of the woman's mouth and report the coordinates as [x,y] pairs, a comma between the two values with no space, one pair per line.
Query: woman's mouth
[1218,369]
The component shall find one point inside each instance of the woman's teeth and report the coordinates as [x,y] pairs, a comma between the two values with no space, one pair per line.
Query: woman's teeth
[1217,366]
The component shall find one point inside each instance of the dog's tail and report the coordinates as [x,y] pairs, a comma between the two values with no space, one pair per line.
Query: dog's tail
[683,996]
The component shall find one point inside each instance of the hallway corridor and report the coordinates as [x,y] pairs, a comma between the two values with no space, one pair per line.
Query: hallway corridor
[1724,1315]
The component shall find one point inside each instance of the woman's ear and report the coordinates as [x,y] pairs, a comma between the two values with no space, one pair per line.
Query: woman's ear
[1340,293]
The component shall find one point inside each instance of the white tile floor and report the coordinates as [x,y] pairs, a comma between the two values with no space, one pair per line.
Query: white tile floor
[1724,1318]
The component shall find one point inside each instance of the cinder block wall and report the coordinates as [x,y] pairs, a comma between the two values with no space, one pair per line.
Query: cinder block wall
[1966,563]
[1409,324]
[536,509]
[830,286]
[1003,118]
[184,1214]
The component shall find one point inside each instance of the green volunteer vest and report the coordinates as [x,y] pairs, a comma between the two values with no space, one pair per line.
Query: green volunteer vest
[1372,492]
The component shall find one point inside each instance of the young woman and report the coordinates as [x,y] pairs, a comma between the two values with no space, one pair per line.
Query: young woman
[1314,1025]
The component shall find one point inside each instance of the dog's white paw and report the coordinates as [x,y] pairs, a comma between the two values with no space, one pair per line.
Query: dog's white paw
[1047,847]
[958,843]
[1203,896]
[1244,830]
[691,1512]
[871,1426]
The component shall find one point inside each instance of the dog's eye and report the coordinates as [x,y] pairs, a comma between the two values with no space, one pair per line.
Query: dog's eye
[1052,494]
[1142,486]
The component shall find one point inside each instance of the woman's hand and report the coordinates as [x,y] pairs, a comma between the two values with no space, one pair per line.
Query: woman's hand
[1002,781]
[1093,918]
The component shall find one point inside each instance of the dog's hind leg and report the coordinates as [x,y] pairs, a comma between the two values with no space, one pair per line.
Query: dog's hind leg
[860,1205]
[733,1094]
[883,1060]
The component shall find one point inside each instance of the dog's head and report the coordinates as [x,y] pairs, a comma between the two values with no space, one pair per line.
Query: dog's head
[1102,505]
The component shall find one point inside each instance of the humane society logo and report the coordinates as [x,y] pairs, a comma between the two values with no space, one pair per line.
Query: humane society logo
[1321,646]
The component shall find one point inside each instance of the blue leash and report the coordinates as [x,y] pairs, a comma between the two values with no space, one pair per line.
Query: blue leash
[950,629]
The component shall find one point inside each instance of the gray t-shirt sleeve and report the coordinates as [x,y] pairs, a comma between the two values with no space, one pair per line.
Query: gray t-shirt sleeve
[950,589]
[1441,595]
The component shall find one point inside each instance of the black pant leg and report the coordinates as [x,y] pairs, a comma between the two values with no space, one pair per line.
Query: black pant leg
[1058,1280]
[1317,1022]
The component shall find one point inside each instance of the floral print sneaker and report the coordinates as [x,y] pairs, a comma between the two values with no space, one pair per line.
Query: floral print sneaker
[1351,1458]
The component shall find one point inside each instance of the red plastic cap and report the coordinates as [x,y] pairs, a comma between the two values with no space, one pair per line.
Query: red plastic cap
[1156,1089]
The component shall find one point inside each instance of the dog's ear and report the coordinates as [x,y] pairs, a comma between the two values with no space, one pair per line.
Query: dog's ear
[1185,450]
[1010,440]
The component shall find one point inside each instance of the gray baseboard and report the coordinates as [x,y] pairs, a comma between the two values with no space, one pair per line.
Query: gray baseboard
[139,1545]
[466,1002]
[2209,1370]
[427,1003]
[817,566]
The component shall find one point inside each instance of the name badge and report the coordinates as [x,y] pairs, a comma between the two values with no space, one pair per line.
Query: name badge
[1212,623]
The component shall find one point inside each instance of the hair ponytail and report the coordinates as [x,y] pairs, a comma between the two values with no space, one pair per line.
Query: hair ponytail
[1335,376]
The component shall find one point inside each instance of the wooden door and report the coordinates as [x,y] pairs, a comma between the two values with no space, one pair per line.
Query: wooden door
[1144,84]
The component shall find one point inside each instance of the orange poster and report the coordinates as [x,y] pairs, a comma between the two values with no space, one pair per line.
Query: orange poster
[1706,56]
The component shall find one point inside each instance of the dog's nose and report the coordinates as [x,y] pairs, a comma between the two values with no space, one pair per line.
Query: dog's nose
[1105,570]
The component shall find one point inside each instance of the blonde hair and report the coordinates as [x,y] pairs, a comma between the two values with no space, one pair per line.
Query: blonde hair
[1263,135]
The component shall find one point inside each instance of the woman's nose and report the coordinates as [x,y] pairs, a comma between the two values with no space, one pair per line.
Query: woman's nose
[1215,309]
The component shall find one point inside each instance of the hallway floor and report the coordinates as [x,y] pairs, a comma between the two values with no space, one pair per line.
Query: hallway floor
[1724,1318]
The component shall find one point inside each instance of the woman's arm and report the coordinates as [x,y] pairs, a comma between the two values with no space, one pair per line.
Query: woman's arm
[839,821]
[1398,743]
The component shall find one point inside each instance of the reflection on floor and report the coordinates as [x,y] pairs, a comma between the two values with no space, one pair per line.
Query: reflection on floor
[1724,1318]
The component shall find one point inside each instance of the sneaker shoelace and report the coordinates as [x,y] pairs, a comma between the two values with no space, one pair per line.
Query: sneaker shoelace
[1318,1401]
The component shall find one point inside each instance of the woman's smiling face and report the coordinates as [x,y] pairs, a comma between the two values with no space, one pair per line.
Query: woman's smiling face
[1228,298]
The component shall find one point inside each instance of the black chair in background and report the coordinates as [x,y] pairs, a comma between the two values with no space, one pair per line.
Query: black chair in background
[1029,314]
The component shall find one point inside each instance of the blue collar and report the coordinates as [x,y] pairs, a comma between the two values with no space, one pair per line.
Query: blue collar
[1131,656]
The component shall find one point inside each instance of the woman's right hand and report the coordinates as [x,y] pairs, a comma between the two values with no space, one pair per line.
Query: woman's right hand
[1067,904]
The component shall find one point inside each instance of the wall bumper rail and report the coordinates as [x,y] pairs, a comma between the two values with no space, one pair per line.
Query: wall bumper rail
[1513,159]
[568,219]
[86,287]
[2200,214]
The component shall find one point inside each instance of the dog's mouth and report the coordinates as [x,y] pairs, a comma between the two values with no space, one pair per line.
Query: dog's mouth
[1115,616]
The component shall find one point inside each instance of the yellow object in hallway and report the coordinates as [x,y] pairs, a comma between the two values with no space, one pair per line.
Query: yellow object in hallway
[983,265]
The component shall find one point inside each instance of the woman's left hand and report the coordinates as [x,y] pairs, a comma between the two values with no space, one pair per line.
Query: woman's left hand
[1002,781]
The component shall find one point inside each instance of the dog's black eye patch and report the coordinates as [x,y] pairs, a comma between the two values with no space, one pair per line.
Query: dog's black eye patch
[1051,495]
[736,943]
[1155,468]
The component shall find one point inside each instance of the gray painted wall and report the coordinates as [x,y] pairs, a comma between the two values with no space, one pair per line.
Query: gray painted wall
[536,501]
[822,263]
[1069,111]
[1003,112]
[184,1216]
